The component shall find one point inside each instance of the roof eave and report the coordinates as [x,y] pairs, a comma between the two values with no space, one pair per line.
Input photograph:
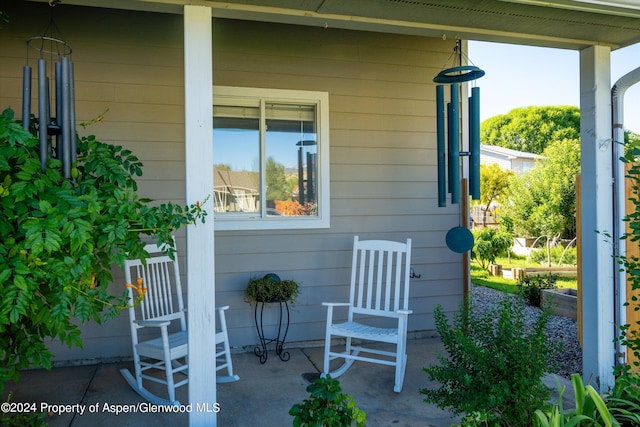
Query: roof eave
[309,13]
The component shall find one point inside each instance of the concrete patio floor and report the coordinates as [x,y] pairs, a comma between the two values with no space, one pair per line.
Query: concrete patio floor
[262,397]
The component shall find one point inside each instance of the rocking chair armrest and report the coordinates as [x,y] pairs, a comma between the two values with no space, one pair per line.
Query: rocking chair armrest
[407,312]
[153,323]
[330,306]
[222,307]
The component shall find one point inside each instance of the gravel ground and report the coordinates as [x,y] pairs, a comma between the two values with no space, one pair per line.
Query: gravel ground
[562,329]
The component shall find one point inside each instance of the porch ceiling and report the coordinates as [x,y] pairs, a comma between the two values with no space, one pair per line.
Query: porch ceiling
[571,24]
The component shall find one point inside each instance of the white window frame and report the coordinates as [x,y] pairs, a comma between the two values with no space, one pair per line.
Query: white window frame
[228,221]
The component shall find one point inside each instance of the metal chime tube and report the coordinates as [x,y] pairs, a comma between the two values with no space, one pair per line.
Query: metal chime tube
[26,97]
[72,113]
[300,176]
[442,185]
[58,86]
[65,151]
[311,177]
[474,143]
[43,104]
[454,144]
[449,159]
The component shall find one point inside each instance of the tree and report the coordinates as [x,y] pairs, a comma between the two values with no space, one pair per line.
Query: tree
[490,243]
[542,202]
[60,237]
[494,182]
[531,129]
[276,181]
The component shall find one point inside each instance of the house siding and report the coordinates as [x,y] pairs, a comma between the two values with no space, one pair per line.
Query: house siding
[490,158]
[382,147]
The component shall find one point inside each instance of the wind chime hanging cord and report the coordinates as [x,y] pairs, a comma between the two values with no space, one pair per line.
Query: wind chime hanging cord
[460,73]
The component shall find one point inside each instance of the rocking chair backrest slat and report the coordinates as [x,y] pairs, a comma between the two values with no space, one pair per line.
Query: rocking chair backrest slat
[161,278]
[380,277]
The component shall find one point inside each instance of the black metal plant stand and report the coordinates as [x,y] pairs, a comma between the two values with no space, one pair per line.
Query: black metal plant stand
[261,351]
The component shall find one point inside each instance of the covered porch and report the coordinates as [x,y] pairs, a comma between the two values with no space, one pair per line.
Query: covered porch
[382,136]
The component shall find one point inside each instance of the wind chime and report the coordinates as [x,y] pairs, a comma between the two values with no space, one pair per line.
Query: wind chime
[459,239]
[453,77]
[61,126]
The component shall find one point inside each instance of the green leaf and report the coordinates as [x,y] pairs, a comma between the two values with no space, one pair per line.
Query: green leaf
[20,282]
[4,275]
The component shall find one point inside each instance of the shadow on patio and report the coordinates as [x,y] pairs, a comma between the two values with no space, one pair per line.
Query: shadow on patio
[262,397]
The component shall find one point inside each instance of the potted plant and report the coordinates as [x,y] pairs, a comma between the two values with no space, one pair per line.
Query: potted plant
[271,289]
[327,406]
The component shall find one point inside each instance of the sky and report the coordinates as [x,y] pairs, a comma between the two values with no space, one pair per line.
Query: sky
[522,76]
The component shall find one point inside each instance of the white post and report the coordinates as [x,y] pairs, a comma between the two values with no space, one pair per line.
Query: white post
[598,328]
[198,100]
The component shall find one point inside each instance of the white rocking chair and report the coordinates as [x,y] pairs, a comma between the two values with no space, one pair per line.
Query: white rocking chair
[379,288]
[164,348]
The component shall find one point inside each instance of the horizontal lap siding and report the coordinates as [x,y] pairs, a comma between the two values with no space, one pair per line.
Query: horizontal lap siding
[383,162]
[383,166]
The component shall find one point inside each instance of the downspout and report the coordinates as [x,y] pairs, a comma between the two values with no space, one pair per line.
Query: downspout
[619,246]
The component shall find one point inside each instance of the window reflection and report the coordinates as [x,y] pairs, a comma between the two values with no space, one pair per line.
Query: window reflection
[236,173]
[290,168]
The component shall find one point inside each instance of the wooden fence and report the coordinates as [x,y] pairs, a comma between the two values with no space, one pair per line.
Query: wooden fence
[633,250]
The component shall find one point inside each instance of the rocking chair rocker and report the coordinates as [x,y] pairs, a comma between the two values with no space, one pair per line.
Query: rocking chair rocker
[379,288]
[163,348]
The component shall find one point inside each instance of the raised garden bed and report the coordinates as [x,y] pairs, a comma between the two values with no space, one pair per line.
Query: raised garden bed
[564,301]
[542,271]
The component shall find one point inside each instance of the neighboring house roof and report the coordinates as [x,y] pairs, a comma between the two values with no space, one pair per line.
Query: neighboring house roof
[507,152]
[235,179]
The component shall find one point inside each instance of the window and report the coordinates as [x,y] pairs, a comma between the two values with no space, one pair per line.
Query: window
[271,158]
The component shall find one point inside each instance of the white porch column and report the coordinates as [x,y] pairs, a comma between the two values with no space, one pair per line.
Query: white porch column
[598,328]
[198,99]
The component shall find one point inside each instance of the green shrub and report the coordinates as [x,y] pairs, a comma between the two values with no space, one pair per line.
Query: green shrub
[21,419]
[569,257]
[495,364]
[327,406]
[530,287]
[490,243]
[476,419]
[59,239]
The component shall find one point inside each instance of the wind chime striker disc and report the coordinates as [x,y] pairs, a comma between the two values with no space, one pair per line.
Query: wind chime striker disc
[463,73]
[459,239]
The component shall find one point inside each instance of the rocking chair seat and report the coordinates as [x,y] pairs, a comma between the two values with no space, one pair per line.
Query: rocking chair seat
[154,348]
[365,332]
